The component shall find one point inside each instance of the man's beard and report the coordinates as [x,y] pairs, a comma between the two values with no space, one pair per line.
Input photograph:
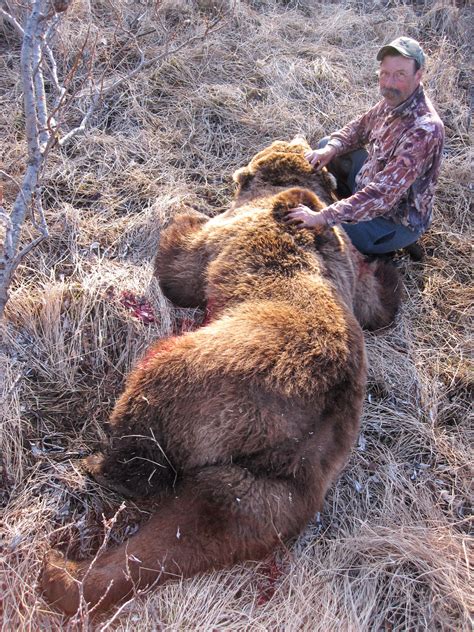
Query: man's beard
[391,93]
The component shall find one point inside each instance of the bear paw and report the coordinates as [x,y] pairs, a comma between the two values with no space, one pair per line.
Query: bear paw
[59,582]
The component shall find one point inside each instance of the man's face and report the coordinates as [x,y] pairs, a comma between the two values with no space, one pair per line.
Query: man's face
[398,79]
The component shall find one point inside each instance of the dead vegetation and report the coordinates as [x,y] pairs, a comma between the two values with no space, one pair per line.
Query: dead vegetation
[391,551]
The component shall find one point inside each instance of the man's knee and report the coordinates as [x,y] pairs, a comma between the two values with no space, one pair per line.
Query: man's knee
[379,236]
[323,142]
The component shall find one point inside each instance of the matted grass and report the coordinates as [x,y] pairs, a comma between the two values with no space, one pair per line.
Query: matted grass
[392,549]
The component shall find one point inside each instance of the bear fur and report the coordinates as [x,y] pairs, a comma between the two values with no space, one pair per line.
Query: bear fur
[238,428]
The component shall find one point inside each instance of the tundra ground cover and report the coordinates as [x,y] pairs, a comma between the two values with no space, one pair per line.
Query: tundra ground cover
[391,551]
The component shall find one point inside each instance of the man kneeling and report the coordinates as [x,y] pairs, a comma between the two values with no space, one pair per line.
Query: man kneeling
[389,188]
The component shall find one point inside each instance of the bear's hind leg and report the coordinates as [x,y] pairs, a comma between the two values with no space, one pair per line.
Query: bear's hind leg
[219,516]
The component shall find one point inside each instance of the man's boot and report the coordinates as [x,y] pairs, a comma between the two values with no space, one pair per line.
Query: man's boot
[415,251]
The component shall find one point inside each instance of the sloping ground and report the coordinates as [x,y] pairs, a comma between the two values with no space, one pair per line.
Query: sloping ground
[391,551]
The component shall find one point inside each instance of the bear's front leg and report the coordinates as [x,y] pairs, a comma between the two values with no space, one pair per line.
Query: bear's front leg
[219,516]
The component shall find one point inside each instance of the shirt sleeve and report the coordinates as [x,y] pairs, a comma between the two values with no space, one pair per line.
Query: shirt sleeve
[355,134]
[409,161]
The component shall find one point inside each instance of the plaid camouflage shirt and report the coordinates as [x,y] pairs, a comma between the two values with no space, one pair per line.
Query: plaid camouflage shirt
[398,179]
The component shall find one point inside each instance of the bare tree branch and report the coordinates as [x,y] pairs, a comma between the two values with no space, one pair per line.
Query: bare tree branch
[40,96]
[53,67]
[10,18]
[143,63]
[35,116]
[6,221]
[83,124]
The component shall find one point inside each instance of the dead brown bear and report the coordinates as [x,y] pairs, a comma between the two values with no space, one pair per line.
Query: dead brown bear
[239,427]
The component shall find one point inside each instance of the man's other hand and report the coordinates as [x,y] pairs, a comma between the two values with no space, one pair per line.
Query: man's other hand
[303,217]
[319,158]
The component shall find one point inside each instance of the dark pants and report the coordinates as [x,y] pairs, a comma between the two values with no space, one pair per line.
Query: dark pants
[375,236]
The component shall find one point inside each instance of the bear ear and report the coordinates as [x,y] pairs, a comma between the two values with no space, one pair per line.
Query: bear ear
[329,179]
[242,177]
[293,197]
[299,141]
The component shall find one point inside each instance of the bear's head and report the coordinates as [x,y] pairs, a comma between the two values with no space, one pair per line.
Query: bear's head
[279,166]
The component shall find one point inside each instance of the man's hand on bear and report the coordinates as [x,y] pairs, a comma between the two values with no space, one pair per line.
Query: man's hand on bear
[303,217]
[319,158]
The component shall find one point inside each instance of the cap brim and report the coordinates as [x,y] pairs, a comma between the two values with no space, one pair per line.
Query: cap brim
[386,49]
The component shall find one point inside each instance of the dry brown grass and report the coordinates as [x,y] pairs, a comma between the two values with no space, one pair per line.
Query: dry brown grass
[392,550]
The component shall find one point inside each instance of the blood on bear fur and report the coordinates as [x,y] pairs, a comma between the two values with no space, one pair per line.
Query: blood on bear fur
[238,428]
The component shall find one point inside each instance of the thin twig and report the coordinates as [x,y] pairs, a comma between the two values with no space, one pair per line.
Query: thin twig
[143,63]
[40,96]
[12,21]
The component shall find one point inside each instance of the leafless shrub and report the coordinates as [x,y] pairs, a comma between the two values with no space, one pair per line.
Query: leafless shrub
[86,82]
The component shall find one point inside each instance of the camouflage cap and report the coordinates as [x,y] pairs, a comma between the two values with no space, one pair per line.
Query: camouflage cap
[407,47]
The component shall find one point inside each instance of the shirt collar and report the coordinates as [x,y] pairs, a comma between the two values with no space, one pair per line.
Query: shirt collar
[409,104]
